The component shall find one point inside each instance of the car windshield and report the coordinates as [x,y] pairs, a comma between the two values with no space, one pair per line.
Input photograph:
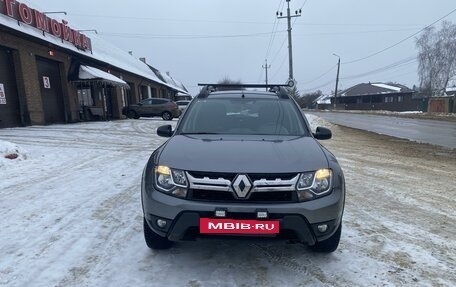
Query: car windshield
[243,116]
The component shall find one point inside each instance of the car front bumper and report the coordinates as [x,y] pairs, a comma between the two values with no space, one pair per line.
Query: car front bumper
[297,220]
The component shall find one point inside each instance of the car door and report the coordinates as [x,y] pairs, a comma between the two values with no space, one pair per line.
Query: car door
[159,106]
[146,107]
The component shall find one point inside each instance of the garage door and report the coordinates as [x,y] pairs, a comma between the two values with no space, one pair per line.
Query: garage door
[9,102]
[51,90]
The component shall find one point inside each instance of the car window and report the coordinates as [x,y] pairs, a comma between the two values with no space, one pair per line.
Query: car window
[147,102]
[159,101]
[243,116]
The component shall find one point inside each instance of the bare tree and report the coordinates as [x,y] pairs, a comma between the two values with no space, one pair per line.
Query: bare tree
[227,81]
[437,58]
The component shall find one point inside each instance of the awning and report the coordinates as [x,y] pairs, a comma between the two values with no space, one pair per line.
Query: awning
[91,74]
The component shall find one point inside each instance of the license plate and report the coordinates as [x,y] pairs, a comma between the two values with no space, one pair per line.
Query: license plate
[231,226]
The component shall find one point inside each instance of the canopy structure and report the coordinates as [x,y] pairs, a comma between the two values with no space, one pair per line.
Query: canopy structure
[89,74]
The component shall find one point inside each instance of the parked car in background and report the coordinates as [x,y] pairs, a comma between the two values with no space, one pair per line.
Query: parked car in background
[153,107]
[182,104]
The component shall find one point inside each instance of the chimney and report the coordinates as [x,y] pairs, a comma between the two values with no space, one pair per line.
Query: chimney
[143,59]
[130,52]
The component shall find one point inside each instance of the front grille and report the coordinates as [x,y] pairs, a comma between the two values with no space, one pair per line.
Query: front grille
[211,195]
[271,176]
[265,188]
[213,175]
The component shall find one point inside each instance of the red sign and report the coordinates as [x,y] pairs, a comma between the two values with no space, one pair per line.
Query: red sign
[231,226]
[39,20]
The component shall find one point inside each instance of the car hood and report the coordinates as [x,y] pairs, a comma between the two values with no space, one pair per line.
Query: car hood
[243,154]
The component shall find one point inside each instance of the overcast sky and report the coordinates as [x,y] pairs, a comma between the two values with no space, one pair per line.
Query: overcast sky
[207,40]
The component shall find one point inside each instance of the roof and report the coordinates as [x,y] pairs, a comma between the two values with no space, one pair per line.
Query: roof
[374,89]
[451,91]
[101,50]
[165,77]
[91,74]
[323,100]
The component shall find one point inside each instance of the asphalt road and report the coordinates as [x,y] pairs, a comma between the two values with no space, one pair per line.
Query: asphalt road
[434,132]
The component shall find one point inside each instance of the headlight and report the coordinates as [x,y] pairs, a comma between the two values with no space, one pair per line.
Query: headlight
[171,181]
[314,184]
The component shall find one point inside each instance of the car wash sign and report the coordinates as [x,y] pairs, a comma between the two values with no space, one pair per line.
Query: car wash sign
[22,13]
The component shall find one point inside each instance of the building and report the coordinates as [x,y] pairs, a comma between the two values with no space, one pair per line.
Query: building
[323,102]
[377,96]
[52,73]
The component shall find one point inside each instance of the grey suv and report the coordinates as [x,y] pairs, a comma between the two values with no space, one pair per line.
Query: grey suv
[153,107]
[243,163]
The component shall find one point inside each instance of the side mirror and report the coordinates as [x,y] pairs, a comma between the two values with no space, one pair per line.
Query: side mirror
[322,133]
[165,131]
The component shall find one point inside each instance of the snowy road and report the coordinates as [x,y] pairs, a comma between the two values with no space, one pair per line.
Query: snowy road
[70,215]
[442,133]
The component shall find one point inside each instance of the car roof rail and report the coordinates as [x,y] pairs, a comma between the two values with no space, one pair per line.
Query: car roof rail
[278,89]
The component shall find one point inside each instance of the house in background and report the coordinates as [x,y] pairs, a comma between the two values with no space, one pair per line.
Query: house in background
[377,96]
[323,102]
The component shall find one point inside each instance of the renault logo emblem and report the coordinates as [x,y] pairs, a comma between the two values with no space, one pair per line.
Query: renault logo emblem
[242,186]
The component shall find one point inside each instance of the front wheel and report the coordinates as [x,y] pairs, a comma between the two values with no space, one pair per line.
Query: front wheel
[329,245]
[167,116]
[132,115]
[153,240]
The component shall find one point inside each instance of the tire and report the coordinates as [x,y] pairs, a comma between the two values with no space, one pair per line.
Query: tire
[132,114]
[329,245]
[167,116]
[153,240]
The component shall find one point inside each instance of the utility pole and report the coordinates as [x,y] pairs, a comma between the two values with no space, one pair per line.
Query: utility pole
[266,67]
[337,80]
[290,49]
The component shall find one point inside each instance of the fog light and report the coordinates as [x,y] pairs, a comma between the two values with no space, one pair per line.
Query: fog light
[161,223]
[220,213]
[305,195]
[262,214]
[322,227]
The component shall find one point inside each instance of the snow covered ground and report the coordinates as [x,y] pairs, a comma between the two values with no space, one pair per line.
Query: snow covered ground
[70,215]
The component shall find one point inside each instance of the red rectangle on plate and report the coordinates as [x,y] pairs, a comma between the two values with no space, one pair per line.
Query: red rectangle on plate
[231,226]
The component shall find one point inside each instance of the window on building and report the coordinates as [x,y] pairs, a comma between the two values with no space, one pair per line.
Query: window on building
[400,98]
[389,99]
[85,97]
[377,99]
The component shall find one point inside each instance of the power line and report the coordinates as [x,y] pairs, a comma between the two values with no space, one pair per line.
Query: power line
[353,32]
[402,62]
[167,36]
[274,27]
[401,41]
[319,87]
[321,76]
[280,66]
[234,22]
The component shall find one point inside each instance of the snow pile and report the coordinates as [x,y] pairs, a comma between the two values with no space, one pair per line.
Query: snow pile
[315,121]
[10,151]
